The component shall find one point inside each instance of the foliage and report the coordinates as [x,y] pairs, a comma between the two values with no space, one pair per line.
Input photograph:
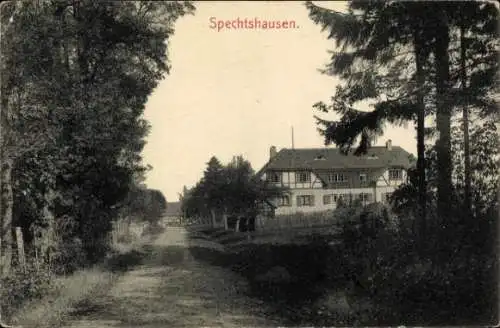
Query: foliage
[20,285]
[484,152]
[406,60]
[382,263]
[153,230]
[233,188]
[75,79]
[144,205]
[375,41]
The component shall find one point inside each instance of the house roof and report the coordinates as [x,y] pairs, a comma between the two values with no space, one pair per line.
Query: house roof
[332,158]
[173,209]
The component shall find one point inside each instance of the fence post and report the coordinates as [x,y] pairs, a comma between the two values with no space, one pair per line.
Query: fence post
[20,247]
[224,217]
[37,263]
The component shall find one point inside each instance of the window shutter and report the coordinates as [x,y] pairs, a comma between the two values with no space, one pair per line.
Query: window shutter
[312,200]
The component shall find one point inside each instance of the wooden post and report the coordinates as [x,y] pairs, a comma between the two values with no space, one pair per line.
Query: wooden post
[212,213]
[37,263]
[224,217]
[20,248]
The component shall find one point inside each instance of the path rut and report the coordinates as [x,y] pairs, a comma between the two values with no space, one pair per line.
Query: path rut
[171,289]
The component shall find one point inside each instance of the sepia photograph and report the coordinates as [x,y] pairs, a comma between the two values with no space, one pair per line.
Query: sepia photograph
[249,163]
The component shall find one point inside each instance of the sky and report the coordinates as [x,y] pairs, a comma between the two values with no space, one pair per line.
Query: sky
[239,91]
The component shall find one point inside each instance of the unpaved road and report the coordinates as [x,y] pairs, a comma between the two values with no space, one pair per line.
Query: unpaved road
[171,289]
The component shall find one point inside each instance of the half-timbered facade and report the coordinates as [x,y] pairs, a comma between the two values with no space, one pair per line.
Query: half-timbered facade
[317,178]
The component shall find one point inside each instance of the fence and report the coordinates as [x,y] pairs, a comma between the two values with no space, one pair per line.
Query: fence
[202,222]
[296,221]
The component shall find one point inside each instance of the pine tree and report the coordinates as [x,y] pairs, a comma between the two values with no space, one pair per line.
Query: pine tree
[386,41]
[374,38]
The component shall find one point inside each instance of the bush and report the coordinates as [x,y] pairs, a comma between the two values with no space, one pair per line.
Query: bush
[386,263]
[23,285]
[126,238]
[69,256]
[153,230]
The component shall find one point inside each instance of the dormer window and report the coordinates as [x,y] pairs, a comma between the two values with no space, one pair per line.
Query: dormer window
[395,174]
[319,157]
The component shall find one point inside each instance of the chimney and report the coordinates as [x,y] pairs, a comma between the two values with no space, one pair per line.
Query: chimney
[272,152]
[388,144]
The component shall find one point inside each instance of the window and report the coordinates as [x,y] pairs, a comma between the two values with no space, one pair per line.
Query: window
[337,177]
[365,197]
[305,200]
[344,198]
[284,200]
[274,177]
[319,157]
[347,197]
[327,199]
[395,174]
[386,197]
[303,177]
[363,177]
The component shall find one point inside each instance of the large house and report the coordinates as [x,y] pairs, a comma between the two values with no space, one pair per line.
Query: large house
[318,178]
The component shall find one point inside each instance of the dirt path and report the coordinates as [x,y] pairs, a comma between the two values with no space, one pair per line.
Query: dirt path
[171,289]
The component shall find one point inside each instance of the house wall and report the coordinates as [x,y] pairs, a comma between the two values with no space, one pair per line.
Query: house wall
[384,180]
[351,176]
[381,192]
[315,188]
[289,179]
[318,198]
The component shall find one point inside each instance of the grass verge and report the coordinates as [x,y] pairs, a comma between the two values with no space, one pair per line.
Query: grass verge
[293,281]
[55,307]
[66,294]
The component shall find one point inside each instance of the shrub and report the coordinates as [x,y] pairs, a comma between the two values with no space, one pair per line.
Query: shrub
[126,238]
[69,256]
[23,285]
[384,261]
[153,230]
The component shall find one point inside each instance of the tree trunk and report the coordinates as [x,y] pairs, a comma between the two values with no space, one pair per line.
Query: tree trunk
[49,234]
[465,112]
[212,214]
[7,202]
[443,117]
[422,185]
[21,256]
[226,227]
